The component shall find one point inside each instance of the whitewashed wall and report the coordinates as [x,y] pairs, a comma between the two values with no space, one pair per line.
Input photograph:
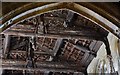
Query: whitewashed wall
[101,55]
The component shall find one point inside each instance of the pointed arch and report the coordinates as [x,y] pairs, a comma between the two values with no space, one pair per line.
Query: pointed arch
[34,9]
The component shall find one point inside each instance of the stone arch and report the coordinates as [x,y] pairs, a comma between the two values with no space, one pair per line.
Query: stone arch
[33,9]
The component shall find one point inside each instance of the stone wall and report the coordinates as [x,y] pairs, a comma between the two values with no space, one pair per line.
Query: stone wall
[101,55]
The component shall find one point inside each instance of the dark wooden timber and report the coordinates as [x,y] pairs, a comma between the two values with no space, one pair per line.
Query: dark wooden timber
[57,46]
[41,66]
[66,36]
[6,46]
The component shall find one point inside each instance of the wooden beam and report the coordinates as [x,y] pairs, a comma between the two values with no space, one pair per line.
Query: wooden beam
[88,60]
[38,69]
[35,52]
[41,66]
[57,46]
[6,45]
[84,36]
[95,45]
[1,46]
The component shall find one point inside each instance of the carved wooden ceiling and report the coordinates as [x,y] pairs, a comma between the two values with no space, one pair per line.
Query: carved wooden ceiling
[59,23]
[69,54]
[59,42]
